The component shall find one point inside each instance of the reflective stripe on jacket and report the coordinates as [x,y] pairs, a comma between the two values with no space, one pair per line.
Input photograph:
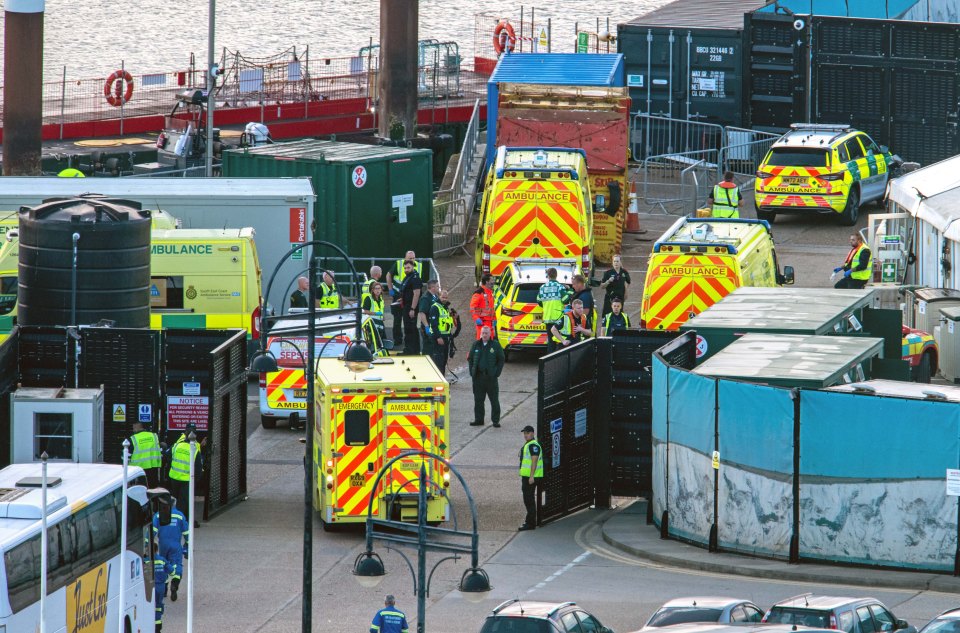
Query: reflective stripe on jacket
[526,460]
[551,296]
[329,297]
[180,460]
[854,259]
[146,450]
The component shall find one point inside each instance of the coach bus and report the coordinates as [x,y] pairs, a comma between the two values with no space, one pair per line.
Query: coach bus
[83,546]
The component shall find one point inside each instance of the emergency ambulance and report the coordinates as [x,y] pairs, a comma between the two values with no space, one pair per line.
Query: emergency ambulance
[199,278]
[536,203]
[366,416]
[519,316]
[283,393]
[697,262]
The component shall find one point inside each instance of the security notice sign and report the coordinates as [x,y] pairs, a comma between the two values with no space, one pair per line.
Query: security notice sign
[184,410]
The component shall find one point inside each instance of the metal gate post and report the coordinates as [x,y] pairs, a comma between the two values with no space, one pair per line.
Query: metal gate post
[600,434]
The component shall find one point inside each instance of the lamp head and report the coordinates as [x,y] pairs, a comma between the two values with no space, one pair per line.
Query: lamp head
[263,362]
[357,357]
[368,569]
[475,585]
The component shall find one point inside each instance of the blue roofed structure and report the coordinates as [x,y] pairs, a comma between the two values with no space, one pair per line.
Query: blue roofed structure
[559,69]
[889,9]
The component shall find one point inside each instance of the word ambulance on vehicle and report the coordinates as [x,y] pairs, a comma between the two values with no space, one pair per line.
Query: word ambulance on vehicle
[697,262]
[366,416]
[536,203]
[283,393]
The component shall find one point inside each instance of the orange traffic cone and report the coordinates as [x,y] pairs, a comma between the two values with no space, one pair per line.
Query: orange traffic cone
[633,216]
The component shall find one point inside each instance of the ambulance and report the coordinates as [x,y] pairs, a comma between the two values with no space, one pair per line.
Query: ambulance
[697,262]
[199,278]
[283,393]
[536,203]
[366,416]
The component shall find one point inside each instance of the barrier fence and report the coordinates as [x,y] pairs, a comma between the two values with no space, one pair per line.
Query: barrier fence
[767,470]
[679,161]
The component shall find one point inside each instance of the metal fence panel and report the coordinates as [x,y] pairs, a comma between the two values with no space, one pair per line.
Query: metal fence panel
[228,423]
[47,357]
[9,378]
[565,419]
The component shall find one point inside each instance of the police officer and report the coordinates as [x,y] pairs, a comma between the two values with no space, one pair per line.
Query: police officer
[180,469]
[410,291]
[551,297]
[329,295]
[485,361]
[858,267]
[299,297]
[531,470]
[614,283]
[615,319]
[145,453]
[395,277]
[440,332]
[389,619]
[725,198]
[172,532]
[425,305]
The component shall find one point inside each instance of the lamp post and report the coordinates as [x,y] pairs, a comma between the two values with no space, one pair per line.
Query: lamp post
[369,569]
[263,361]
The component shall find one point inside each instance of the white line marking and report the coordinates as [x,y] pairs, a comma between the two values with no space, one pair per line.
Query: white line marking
[576,561]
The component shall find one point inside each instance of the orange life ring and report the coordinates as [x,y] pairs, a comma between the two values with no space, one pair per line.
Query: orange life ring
[504,43]
[113,86]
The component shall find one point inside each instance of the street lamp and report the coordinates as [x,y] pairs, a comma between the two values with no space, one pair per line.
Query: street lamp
[263,361]
[369,569]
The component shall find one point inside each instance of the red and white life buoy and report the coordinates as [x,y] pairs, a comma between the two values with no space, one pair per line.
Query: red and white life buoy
[504,38]
[114,86]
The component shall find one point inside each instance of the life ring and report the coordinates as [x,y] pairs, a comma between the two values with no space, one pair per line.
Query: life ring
[504,43]
[112,93]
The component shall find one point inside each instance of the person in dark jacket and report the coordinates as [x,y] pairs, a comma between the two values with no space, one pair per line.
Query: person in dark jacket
[486,361]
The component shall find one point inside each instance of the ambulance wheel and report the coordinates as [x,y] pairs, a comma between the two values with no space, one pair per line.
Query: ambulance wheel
[851,212]
[768,216]
[506,355]
[268,422]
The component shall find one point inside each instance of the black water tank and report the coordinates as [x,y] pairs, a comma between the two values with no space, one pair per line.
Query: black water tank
[113,262]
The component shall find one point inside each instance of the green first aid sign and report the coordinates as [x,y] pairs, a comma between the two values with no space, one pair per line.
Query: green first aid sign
[583,42]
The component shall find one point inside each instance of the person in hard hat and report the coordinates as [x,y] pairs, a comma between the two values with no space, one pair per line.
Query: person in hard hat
[858,267]
[725,198]
[70,172]
[172,533]
[145,453]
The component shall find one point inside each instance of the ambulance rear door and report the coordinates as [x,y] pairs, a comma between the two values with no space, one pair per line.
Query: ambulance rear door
[356,441]
[410,426]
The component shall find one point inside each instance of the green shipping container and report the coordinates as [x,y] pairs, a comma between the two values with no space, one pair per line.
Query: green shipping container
[372,201]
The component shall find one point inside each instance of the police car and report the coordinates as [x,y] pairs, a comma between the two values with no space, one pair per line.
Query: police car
[828,169]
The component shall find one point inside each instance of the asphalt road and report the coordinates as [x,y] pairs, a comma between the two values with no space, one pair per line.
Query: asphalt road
[249,562]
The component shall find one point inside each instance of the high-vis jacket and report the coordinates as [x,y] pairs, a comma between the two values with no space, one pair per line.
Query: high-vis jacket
[368,302]
[859,262]
[526,460]
[481,305]
[617,321]
[180,459]
[329,297]
[551,297]
[567,325]
[399,274]
[146,450]
[726,198]
[440,319]
[389,620]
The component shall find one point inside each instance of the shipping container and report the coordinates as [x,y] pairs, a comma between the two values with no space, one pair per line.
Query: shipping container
[279,209]
[595,119]
[372,201]
[685,60]
[896,79]
[549,69]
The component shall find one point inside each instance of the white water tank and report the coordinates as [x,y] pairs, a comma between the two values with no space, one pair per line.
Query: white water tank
[948,339]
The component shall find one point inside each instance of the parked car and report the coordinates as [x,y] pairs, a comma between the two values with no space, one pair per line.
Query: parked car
[736,627]
[946,622]
[705,609]
[853,615]
[516,616]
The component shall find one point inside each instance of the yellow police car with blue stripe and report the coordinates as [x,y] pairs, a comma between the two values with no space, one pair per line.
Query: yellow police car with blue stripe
[818,168]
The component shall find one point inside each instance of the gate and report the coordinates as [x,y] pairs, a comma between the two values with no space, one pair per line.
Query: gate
[595,422]
[565,414]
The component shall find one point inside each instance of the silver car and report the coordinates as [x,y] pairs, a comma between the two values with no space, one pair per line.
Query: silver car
[705,609]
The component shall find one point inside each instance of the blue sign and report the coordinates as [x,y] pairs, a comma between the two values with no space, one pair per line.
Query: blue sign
[556,425]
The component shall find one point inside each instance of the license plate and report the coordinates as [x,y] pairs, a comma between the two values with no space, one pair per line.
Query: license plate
[409,466]
[299,393]
[795,180]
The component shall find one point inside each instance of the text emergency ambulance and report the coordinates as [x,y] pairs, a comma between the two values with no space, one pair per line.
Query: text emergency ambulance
[536,203]
[283,393]
[364,419]
[697,262]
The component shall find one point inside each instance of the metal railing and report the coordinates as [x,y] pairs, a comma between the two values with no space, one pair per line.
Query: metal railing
[452,207]
[744,150]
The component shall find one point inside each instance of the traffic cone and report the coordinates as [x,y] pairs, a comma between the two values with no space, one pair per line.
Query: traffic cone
[633,216]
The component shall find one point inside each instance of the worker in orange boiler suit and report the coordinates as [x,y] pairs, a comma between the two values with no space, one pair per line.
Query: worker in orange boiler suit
[481,305]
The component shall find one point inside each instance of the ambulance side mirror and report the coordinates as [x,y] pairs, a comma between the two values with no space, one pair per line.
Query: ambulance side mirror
[788,276]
